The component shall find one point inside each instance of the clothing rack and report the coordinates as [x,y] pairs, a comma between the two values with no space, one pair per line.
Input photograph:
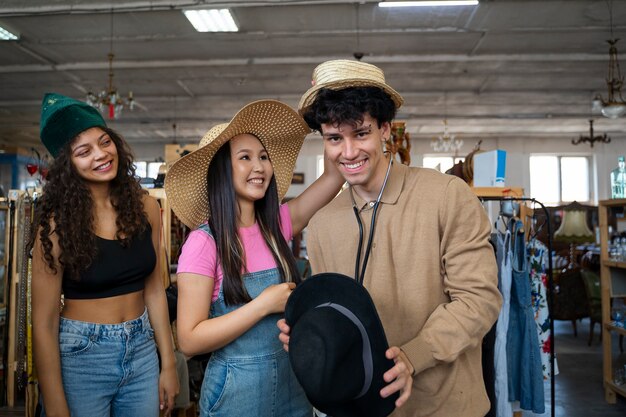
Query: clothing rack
[550,283]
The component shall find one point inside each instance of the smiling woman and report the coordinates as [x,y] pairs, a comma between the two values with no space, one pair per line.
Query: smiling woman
[236,270]
[96,242]
[252,169]
[94,155]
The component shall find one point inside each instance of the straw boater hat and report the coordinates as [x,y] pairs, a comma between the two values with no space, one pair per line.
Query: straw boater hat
[344,73]
[279,128]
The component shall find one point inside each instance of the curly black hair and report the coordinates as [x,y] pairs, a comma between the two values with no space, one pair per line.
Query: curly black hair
[67,204]
[348,105]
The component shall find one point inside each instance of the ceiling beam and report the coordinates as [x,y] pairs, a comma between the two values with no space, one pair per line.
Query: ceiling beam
[313,60]
[154,5]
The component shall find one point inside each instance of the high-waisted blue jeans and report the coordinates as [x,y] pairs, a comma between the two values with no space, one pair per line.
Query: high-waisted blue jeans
[110,370]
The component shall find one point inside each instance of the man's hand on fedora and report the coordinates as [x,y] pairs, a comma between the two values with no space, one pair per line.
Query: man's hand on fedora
[399,377]
[284,333]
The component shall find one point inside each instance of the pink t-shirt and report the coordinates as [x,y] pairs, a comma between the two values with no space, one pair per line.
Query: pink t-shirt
[199,253]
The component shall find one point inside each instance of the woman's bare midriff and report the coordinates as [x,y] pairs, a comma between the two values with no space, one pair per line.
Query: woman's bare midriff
[108,310]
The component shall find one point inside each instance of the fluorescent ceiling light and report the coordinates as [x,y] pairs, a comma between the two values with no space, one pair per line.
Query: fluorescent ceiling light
[211,20]
[5,35]
[428,3]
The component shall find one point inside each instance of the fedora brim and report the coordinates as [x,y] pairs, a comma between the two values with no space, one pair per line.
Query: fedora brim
[309,96]
[279,128]
[346,292]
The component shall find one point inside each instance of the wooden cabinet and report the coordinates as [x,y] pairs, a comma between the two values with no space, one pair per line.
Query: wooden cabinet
[613,287]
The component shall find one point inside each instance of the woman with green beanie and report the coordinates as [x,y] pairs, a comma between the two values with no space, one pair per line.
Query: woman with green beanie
[96,242]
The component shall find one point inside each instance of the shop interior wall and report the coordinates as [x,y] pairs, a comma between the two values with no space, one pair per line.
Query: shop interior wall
[603,158]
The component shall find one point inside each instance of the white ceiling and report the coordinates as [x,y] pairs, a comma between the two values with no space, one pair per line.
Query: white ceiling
[503,69]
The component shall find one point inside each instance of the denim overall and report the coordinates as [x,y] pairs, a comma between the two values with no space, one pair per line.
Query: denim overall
[525,375]
[251,376]
[503,406]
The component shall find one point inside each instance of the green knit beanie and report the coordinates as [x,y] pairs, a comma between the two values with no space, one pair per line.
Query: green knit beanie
[63,118]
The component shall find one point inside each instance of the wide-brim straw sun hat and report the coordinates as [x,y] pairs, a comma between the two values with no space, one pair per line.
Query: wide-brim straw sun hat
[279,128]
[343,73]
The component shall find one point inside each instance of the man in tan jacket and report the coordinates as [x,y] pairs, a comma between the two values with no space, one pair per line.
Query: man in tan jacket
[428,264]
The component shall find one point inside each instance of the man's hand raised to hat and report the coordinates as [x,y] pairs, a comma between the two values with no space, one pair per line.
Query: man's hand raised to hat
[399,377]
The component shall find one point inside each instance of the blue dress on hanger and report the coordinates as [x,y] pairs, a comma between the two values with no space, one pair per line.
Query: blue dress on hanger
[525,374]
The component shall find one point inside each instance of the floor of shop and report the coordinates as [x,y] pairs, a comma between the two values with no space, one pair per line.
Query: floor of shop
[578,386]
[579,390]
[12,412]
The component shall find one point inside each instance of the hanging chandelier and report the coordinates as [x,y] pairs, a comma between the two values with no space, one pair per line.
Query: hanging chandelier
[109,99]
[446,142]
[614,106]
[591,138]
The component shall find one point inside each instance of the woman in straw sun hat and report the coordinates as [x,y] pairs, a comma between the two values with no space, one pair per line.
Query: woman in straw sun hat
[236,270]
[96,240]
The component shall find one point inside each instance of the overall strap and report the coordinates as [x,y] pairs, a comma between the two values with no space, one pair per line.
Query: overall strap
[206,229]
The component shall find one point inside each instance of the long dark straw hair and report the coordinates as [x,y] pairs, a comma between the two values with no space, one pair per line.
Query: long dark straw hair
[223,223]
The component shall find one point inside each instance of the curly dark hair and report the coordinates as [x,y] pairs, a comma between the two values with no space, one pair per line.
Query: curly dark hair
[348,105]
[67,203]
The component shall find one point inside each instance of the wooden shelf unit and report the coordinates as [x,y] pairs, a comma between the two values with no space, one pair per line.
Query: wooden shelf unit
[498,191]
[620,389]
[616,329]
[171,233]
[612,285]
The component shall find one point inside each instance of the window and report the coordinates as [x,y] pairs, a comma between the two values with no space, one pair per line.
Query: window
[141,169]
[320,165]
[153,169]
[441,163]
[556,179]
[145,169]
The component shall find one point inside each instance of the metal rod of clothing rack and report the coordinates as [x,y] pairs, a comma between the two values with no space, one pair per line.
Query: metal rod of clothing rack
[550,286]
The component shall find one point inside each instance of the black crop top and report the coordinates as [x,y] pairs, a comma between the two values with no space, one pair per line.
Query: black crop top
[115,270]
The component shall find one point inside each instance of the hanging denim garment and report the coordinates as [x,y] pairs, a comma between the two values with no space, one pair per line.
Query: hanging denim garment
[503,255]
[524,361]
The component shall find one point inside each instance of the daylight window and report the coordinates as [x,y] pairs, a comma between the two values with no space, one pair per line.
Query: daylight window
[440,163]
[558,179]
[153,169]
[320,165]
[141,169]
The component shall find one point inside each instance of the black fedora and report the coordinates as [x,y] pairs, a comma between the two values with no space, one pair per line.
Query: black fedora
[337,347]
